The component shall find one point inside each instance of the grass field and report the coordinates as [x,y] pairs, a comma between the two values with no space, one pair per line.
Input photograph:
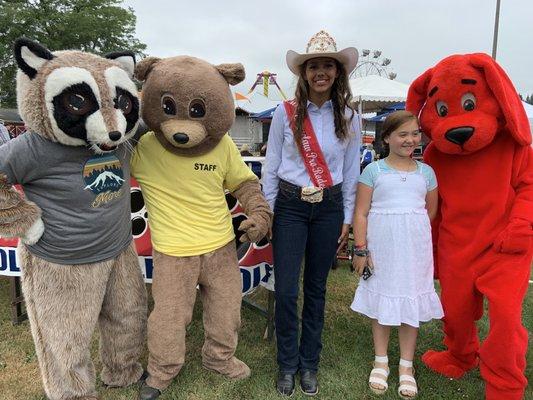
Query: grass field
[346,357]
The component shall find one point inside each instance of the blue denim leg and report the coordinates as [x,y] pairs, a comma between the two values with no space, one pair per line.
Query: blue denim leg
[311,229]
[289,231]
[324,230]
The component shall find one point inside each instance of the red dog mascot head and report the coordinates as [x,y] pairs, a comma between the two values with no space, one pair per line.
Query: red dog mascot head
[465,101]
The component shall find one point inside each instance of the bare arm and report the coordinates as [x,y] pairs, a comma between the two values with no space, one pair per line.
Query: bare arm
[362,207]
[363,200]
[432,203]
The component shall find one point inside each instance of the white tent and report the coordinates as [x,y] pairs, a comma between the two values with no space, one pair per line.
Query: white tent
[258,102]
[374,92]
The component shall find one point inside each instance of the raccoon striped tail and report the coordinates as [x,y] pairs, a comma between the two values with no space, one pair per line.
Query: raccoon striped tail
[17,215]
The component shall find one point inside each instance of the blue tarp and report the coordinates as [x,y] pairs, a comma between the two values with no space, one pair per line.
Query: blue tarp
[388,110]
[396,106]
[380,117]
[267,114]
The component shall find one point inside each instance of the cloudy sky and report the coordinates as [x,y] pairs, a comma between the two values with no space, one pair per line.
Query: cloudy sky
[414,34]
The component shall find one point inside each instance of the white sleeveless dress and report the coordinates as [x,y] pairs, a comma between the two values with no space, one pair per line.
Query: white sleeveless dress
[401,289]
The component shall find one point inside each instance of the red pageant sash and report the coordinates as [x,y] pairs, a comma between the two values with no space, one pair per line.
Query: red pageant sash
[310,149]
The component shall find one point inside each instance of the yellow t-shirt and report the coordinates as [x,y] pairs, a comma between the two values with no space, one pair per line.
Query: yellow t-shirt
[184,196]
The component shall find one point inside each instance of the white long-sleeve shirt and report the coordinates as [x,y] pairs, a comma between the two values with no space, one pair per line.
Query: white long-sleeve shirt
[284,161]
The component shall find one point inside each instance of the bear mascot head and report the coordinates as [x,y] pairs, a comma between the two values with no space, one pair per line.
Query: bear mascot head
[187,101]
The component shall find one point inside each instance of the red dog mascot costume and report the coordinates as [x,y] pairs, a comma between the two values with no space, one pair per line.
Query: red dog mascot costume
[481,154]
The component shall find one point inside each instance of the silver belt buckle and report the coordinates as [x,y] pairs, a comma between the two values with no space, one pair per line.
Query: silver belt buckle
[312,194]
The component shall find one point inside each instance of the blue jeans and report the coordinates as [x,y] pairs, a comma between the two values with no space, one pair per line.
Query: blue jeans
[311,230]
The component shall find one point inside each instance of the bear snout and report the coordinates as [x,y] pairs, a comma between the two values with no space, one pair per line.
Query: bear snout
[459,135]
[180,137]
[183,133]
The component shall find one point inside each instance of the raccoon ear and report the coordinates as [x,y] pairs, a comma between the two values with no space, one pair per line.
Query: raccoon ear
[30,56]
[125,58]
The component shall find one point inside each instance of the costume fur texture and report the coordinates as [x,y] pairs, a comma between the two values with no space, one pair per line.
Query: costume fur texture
[189,107]
[481,154]
[65,301]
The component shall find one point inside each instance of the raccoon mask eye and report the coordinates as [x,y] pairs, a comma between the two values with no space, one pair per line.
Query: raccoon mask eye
[77,103]
[128,104]
[124,103]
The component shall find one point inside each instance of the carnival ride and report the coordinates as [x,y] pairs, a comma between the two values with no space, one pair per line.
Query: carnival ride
[265,79]
[371,62]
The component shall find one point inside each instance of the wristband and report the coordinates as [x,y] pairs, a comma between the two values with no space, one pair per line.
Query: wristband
[361,252]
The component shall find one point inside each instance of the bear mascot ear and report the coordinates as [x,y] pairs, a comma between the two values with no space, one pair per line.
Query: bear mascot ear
[143,68]
[126,60]
[30,56]
[232,73]
[418,92]
[506,96]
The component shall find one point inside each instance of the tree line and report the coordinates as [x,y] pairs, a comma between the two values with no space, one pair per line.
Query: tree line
[97,26]
[528,99]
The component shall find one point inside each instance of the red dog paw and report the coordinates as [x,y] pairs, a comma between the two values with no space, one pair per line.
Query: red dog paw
[515,238]
[445,364]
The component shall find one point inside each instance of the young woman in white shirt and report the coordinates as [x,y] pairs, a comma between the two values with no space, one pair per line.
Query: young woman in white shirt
[312,167]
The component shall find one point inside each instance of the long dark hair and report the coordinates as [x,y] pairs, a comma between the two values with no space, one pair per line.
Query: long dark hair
[341,97]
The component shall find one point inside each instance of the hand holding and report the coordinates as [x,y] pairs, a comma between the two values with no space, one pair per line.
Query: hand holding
[343,238]
[254,229]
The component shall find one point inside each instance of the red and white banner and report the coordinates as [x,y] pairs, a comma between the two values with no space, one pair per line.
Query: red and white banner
[255,259]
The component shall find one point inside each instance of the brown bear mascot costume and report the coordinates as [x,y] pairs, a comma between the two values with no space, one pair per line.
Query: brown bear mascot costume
[483,160]
[79,265]
[183,167]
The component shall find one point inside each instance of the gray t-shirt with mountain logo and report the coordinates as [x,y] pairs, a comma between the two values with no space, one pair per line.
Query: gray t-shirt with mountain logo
[85,198]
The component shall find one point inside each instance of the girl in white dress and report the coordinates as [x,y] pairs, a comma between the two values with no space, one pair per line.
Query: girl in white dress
[396,199]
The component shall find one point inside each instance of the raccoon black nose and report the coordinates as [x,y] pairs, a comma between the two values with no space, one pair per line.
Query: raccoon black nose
[181,138]
[115,135]
[459,135]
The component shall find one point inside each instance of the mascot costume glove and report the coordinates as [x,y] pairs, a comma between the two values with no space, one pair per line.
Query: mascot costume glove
[19,218]
[259,214]
[515,238]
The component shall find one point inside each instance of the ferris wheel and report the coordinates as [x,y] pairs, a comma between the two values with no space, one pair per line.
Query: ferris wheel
[372,63]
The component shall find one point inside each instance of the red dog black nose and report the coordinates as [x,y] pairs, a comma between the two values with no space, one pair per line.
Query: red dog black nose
[181,138]
[459,135]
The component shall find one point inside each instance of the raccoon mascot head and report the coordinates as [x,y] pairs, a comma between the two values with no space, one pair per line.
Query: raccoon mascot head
[77,98]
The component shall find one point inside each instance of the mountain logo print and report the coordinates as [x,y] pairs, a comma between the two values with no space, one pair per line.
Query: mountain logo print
[103,174]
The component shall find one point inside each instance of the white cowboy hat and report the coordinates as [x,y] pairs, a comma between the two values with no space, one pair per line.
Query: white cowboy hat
[322,44]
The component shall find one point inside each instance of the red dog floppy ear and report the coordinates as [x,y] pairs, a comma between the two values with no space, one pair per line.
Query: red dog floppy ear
[506,96]
[417,94]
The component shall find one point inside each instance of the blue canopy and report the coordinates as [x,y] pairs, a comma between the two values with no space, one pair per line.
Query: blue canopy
[396,106]
[387,111]
[379,117]
[267,114]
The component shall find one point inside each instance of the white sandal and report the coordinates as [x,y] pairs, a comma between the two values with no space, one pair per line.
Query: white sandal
[407,382]
[379,376]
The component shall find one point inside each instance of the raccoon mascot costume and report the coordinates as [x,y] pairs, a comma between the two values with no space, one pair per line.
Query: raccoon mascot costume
[79,265]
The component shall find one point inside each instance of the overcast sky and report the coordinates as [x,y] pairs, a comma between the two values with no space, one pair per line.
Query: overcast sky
[414,34]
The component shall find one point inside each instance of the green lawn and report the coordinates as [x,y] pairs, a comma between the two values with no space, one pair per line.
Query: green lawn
[346,357]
